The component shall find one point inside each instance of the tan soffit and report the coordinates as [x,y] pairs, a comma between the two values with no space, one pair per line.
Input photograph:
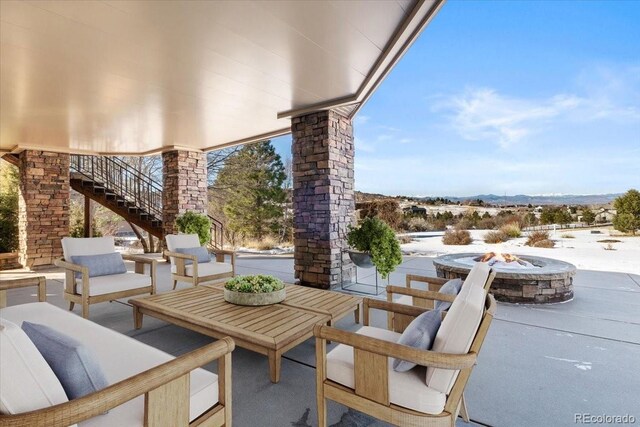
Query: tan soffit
[117,77]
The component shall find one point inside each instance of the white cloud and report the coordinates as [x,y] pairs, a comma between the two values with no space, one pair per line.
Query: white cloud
[484,114]
[362,145]
[361,119]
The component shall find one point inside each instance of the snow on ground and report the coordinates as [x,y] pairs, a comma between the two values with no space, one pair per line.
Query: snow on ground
[584,251]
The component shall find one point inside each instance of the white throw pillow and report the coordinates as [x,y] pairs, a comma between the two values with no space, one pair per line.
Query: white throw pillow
[27,382]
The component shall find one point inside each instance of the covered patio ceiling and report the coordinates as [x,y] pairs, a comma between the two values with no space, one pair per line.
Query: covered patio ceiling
[140,77]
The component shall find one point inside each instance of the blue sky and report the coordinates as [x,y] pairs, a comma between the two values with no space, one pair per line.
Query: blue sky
[508,97]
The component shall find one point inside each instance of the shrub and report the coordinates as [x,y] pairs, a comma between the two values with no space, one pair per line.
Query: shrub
[546,243]
[568,236]
[263,244]
[385,210]
[511,230]
[416,224]
[404,239]
[497,236]
[195,223]
[457,237]
[537,236]
[378,239]
[487,224]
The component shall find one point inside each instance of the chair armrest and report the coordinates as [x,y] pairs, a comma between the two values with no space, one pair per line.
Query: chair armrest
[437,281]
[193,258]
[98,403]
[419,293]
[397,351]
[70,266]
[138,258]
[220,253]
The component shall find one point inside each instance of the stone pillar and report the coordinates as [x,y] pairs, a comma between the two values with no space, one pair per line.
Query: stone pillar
[184,181]
[323,197]
[43,206]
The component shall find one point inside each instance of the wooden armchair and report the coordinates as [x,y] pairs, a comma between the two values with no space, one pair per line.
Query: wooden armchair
[87,290]
[357,372]
[165,389]
[194,272]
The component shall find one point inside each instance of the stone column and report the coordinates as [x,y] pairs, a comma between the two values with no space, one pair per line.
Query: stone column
[43,206]
[184,181]
[323,197]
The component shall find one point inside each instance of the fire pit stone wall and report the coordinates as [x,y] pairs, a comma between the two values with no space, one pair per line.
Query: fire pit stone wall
[549,282]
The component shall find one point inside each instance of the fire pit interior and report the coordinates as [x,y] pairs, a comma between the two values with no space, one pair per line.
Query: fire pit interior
[519,279]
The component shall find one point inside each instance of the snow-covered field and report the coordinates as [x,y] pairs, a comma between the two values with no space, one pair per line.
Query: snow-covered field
[584,251]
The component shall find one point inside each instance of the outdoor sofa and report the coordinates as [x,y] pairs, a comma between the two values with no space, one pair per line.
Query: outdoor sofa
[147,387]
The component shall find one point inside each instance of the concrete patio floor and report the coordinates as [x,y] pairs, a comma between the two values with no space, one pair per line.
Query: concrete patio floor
[539,365]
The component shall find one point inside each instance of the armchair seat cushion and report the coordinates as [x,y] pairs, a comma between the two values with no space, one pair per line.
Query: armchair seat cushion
[406,389]
[207,269]
[120,357]
[114,283]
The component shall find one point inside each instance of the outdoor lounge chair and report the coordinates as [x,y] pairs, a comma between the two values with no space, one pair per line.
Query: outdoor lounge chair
[358,372]
[82,289]
[186,268]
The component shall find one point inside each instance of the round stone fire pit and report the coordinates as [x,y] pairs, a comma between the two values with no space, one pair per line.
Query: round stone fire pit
[547,281]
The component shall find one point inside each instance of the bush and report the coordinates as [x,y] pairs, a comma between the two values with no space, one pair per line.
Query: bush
[417,224]
[195,223]
[537,236]
[263,244]
[404,239]
[495,237]
[546,243]
[487,224]
[568,236]
[457,237]
[511,230]
[385,210]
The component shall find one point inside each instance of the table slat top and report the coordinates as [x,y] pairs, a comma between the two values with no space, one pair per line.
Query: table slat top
[271,326]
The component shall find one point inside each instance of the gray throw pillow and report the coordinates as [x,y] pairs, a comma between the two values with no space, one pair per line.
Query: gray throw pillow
[101,265]
[452,287]
[201,252]
[419,334]
[76,368]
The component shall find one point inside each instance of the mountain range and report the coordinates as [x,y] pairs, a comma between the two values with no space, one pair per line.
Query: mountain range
[542,199]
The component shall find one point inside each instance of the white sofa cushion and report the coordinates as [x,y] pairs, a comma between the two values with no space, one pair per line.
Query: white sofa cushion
[114,283]
[26,380]
[120,357]
[456,334]
[87,246]
[175,241]
[406,389]
[207,268]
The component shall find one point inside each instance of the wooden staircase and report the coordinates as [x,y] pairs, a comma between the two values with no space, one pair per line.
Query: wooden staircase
[126,191]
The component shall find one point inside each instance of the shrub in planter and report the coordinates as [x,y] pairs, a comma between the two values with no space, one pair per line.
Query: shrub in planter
[255,290]
[377,239]
[457,237]
[195,223]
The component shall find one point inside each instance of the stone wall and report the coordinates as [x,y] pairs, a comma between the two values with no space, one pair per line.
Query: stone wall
[184,180]
[323,197]
[43,206]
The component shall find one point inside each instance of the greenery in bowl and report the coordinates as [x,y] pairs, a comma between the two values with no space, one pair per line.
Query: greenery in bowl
[376,238]
[255,284]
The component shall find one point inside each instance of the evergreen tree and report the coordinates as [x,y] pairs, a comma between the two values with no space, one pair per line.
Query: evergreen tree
[588,216]
[253,198]
[627,217]
[8,207]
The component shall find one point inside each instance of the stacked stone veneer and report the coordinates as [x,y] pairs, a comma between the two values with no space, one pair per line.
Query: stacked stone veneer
[323,197]
[184,183]
[43,207]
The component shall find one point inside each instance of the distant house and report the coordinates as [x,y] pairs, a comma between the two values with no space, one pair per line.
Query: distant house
[605,215]
[414,210]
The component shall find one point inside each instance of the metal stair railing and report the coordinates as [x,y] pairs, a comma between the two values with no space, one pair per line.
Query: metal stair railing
[132,185]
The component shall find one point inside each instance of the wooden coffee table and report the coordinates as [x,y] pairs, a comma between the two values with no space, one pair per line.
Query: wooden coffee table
[334,304]
[270,330]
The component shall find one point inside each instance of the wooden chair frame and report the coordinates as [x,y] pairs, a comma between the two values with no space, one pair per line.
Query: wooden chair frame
[371,393]
[165,389]
[181,276]
[71,294]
